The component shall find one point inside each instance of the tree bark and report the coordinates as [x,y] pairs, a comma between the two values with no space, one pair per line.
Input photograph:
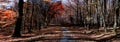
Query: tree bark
[117,12]
[18,27]
[105,12]
[116,17]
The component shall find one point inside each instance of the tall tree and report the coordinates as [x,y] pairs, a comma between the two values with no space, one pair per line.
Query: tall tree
[105,12]
[117,11]
[18,27]
[116,15]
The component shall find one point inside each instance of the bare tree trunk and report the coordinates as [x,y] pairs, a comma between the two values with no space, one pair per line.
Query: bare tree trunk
[116,15]
[105,12]
[18,27]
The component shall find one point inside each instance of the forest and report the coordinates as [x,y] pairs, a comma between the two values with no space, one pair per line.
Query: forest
[59,20]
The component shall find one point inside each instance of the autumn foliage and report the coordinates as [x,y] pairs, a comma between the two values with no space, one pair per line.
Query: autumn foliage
[56,9]
[7,16]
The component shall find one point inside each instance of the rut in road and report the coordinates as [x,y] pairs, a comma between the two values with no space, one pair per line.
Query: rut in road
[65,35]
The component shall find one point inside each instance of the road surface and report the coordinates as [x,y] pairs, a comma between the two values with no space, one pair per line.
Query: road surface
[66,36]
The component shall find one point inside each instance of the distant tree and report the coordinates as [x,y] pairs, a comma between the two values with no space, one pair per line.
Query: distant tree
[18,27]
[52,10]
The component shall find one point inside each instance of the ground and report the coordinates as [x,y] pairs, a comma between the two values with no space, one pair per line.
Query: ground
[61,34]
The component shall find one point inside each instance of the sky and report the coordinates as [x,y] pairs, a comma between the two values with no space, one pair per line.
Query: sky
[11,3]
[64,1]
[7,5]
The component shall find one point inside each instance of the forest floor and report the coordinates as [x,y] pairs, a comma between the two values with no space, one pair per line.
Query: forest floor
[62,34]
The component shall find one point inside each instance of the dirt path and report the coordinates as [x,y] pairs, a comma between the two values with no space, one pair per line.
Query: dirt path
[66,37]
[64,34]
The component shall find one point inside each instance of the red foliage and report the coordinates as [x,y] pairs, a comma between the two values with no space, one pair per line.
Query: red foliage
[56,9]
[8,14]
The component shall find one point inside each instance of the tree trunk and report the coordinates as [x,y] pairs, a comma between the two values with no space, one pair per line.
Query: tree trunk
[18,27]
[117,12]
[105,12]
[116,17]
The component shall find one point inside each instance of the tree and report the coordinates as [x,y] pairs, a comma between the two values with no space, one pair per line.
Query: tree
[18,27]
[116,8]
[73,8]
[51,10]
